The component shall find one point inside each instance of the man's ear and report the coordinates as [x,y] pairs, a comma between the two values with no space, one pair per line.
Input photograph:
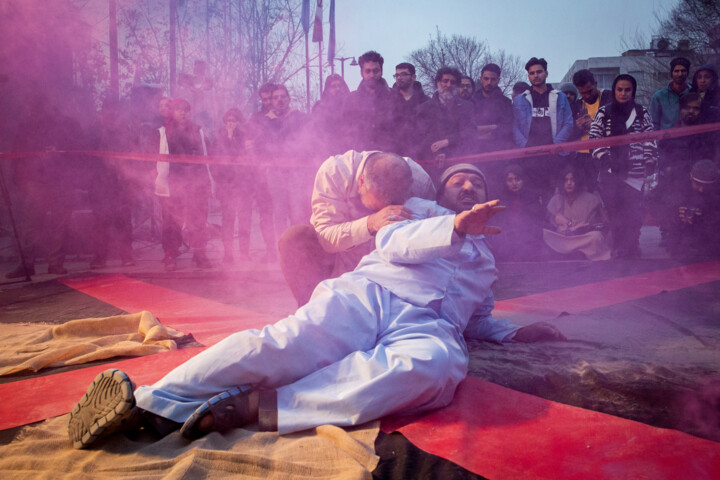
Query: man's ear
[361,182]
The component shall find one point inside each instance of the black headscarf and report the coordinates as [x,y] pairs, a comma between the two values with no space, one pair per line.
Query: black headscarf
[618,113]
[713,72]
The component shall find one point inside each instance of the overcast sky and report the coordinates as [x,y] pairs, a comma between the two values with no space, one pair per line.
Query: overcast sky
[562,31]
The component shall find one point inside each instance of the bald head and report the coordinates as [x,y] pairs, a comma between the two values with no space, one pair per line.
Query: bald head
[386,180]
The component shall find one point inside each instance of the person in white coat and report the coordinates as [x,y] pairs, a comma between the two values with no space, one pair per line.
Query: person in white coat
[386,338]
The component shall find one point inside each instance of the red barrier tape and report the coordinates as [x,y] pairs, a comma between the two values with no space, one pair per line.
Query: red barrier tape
[577,145]
[554,149]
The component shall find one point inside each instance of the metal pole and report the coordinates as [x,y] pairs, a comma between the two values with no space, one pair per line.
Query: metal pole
[114,78]
[173,66]
[18,244]
[320,65]
[307,73]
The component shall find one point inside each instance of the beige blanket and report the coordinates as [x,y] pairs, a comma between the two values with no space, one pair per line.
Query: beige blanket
[44,451]
[33,347]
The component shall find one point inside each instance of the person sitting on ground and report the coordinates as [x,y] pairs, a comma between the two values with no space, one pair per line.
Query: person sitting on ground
[522,220]
[694,213]
[578,219]
[387,338]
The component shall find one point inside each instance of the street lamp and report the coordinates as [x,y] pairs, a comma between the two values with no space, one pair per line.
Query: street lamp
[342,64]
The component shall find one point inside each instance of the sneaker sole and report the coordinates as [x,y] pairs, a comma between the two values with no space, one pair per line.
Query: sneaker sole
[108,400]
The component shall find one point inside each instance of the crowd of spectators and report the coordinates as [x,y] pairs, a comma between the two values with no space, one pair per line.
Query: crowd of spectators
[589,203]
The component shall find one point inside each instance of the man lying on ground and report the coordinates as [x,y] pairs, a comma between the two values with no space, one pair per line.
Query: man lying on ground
[386,338]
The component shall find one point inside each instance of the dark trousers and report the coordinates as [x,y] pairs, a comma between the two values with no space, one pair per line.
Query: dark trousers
[112,209]
[44,213]
[188,205]
[303,261]
[625,211]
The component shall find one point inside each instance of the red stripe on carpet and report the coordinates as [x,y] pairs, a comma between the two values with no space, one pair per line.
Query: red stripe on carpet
[35,399]
[208,321]
[501,433]
[39,398]
[612,292]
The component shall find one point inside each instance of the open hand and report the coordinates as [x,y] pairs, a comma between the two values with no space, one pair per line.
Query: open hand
[473,221]
[539,332]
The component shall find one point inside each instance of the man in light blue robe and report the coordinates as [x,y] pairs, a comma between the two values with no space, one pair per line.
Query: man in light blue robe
[386,338]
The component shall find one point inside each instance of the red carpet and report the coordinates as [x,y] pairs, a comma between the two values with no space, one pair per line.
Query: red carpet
[503,434]
[490,430]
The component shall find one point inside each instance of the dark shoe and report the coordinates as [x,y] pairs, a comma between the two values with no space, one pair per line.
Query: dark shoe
[19,272]
[231,409]
[201,261]
[170,263]
[106,408]
[98,262]
[57,270]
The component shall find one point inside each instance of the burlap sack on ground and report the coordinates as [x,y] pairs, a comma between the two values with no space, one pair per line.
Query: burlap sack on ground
[33,347]
[326,452]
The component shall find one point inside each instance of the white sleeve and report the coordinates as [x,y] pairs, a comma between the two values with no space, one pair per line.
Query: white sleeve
[429,237]
[331,212]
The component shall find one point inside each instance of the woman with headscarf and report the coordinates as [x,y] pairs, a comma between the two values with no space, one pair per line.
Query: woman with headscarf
[705,83]
[184,188]
[624,168]
[327,117]
[578,219]
[521,222]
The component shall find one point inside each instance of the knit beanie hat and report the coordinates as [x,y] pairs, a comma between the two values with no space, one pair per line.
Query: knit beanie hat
[705,171]
[460,167]
[569,87]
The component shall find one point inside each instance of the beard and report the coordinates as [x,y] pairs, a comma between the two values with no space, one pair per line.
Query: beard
[446,95]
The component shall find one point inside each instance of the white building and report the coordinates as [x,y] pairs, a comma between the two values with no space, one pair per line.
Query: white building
[651,67]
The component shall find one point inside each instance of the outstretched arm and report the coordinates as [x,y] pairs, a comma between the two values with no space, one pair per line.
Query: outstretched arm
[438,234]
[474,221]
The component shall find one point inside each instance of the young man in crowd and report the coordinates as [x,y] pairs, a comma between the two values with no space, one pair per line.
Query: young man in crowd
[665,103]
